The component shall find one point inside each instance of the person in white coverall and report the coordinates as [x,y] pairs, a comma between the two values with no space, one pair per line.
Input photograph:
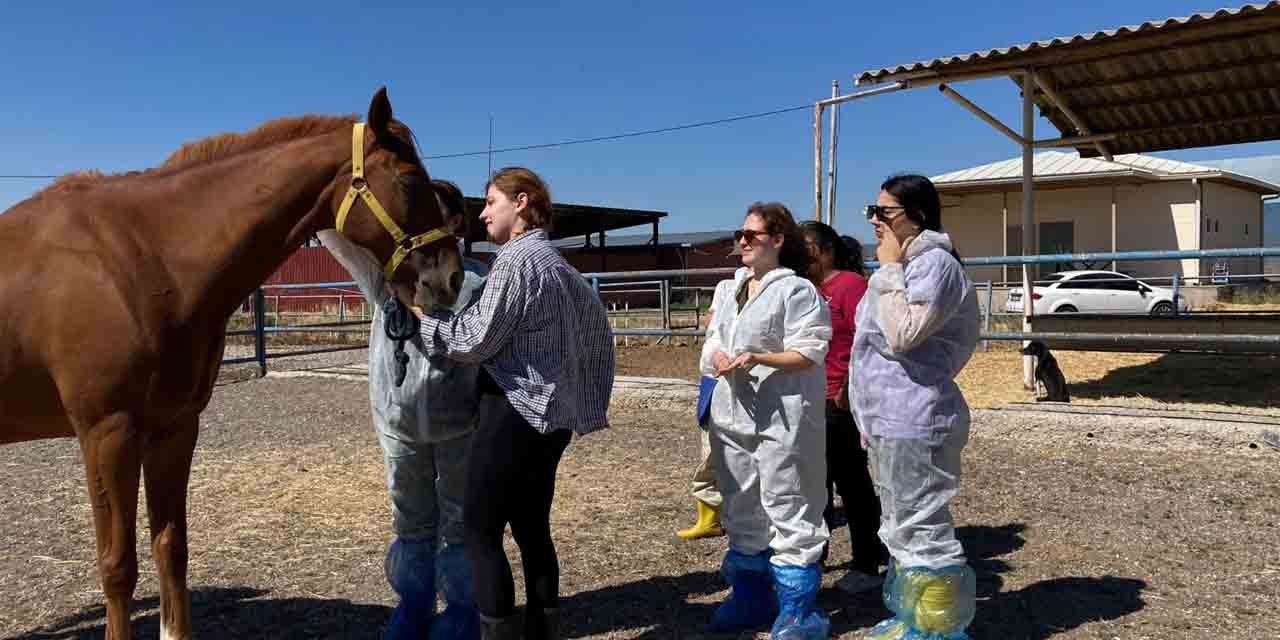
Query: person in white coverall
[424,426]
[767,344]
[917,326]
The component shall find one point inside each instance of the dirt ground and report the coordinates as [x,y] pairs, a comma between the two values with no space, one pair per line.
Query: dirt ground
[1132,514]
[993,378]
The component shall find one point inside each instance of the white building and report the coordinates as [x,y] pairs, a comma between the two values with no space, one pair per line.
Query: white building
[1135,203]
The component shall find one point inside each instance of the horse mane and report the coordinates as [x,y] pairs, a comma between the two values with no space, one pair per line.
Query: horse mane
[218,147]
[268,134]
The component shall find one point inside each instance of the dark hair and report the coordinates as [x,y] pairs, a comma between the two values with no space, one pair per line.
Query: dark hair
[857,261]
[513,181]
[920,201]
[828,241]
[451,196]
[777,219]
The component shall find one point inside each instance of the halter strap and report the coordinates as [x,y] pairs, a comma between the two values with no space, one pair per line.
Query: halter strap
[360,188]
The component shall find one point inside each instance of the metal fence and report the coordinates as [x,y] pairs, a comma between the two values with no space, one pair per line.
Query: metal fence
[659,282]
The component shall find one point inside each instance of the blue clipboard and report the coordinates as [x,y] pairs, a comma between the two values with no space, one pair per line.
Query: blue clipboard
[705,389]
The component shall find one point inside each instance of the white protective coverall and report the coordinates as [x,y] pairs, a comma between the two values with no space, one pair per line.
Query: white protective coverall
[421,424]
[768,428]
[917,327]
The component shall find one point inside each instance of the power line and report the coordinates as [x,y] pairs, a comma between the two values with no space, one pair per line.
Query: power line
[619,136]
[563,143]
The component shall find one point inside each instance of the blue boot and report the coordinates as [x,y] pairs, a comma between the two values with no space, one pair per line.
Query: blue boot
[460,619]
[799,618]
[411,572]
[751,604]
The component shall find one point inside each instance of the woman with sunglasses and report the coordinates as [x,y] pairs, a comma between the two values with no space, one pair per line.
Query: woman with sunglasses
[916,328]
[833,272]
[766,345]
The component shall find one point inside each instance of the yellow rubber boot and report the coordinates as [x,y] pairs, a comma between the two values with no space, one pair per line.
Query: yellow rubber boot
[707,526]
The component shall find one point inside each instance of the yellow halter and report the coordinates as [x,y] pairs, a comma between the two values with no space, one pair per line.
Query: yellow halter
[359,187]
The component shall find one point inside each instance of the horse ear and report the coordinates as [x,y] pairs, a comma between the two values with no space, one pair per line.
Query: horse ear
[380,113]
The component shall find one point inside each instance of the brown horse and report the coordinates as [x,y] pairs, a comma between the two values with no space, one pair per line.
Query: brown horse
[116,292]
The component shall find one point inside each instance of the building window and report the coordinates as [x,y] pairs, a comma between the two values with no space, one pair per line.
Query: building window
[1246,228]
[1215,226]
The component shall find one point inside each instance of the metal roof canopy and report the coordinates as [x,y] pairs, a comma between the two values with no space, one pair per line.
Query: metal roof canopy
[1203,80]
[570,220]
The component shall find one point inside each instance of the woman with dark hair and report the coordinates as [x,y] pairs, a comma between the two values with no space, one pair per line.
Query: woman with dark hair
[846,460]
[424,422]
[765,344]
[917,327]
[857,262]
[545,350]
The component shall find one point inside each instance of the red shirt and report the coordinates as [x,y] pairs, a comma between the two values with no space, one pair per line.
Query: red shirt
[842,292]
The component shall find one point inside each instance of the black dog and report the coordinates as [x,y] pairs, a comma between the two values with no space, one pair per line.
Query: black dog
[1048,374]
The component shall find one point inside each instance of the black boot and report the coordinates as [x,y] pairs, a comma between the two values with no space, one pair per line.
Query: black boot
[541,624]
[507,628]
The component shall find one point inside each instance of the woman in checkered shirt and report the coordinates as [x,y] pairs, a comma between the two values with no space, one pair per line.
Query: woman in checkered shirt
[544,344]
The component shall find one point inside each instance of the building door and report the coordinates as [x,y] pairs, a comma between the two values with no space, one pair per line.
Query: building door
[1056,237]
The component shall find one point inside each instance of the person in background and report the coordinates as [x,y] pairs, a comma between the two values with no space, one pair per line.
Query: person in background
[424,426]
[916,328]
[766,345]
[705,492]
[842,288]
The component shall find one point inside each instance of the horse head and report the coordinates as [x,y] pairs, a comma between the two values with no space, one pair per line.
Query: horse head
[385,203]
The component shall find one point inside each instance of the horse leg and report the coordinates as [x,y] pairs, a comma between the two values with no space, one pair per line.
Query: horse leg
[166,468]
[112,449]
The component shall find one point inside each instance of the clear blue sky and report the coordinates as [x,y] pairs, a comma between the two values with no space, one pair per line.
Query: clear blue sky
[99,87]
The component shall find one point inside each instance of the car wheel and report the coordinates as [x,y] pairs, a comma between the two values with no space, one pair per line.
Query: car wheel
[1066,308]
[1162,309]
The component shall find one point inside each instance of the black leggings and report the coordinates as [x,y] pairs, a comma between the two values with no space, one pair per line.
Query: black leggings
[511,478]
[847,470]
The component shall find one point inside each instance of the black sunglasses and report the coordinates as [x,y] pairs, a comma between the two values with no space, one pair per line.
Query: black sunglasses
[749,234]
[880,212]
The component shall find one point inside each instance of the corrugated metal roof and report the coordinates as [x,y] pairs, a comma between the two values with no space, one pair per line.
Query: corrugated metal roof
[1265,168]
[631,240]
[991,55]
[575,220]
[1202,80]
[1051,166]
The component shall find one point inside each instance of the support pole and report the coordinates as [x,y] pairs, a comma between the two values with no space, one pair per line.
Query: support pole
[1114,266]
[1071,115]
[831,156]
[259,331]
[986,117]
[1028,217]
[817,162]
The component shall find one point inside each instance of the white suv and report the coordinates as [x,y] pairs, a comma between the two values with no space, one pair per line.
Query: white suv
[1095,292]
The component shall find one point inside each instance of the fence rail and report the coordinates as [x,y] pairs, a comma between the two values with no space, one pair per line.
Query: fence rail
[660,282]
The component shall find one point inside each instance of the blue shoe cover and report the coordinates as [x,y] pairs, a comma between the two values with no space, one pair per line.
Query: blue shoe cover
[799,618]
[460,619]
[411,572]
[751,604]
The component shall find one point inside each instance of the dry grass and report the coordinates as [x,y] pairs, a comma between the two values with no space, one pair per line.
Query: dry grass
[1071,536]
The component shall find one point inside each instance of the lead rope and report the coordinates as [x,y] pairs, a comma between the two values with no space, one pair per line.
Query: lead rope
[401,326]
